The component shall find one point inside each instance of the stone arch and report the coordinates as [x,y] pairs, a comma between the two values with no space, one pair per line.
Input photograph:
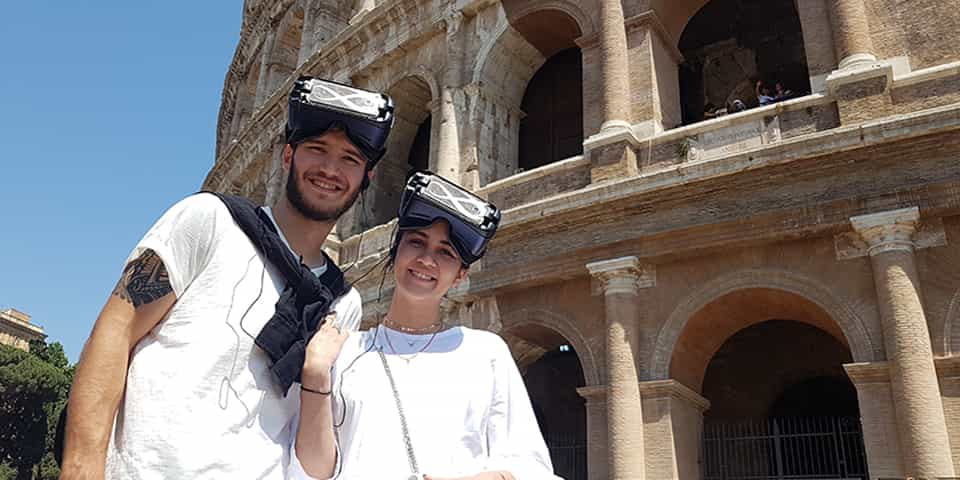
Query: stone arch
[856,335]
[509,55]
[555,362]
[951,340]
[412,94]
[515,50]
[419,72]
[814,18]
[284,55]
[517,9]
[729,45]
[246,95]
[562,325]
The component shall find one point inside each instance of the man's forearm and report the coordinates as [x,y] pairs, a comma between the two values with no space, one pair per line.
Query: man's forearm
[315,443]
[94,398]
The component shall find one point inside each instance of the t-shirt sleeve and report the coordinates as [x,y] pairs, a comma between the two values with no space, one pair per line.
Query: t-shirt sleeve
[349,311]
[514,441]
[183,238]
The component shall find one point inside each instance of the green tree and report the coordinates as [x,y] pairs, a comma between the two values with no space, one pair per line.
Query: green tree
[33,387]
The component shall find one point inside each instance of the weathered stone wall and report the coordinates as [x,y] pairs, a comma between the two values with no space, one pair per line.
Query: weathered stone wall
[923,30]
[941,289]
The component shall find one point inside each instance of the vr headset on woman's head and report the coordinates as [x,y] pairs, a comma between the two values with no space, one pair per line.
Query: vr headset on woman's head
[473,221]
[316,106]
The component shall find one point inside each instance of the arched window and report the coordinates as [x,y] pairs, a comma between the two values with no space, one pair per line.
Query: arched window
[408,146]
[419,158]
[246,95]
[284,57]
[730,45]
[552,128]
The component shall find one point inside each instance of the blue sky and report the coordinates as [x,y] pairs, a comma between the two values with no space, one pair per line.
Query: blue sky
[108,113]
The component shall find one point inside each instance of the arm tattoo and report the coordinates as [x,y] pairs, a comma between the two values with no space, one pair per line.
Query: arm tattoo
[144,280]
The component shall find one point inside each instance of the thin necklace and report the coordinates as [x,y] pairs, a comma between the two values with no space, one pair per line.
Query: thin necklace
[418,352]
[412,330]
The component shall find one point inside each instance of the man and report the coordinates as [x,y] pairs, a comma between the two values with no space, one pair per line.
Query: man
[186,373]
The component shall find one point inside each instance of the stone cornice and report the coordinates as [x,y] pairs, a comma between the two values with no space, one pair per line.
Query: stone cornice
[836,140]
[947,367]
[673,389]
[20,329]
[868,372]
[650,390]
[593,393]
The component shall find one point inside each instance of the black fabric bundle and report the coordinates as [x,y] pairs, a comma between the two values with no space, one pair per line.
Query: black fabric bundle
[304,302]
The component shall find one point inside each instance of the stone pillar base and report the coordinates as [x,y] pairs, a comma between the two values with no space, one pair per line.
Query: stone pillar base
[862,93]
[948,374]
[673,429]
[611,153]
[878,418]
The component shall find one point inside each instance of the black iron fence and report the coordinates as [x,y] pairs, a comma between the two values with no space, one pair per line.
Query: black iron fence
[784,449]
[568,452]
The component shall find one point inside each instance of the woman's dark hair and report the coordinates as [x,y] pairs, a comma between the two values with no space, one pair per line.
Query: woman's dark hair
[391,258]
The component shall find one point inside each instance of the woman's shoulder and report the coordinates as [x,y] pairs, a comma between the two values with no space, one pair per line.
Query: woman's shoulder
[486,340]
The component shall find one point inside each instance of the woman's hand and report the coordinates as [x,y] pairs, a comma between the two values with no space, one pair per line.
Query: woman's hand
[498,475]
[322,352]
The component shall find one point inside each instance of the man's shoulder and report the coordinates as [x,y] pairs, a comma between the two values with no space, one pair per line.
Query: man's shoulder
[202,205]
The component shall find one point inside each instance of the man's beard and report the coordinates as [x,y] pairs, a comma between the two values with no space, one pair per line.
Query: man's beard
[319,214]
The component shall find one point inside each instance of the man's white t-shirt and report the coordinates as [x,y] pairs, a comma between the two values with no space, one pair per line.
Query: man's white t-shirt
[200,401]
[463,398]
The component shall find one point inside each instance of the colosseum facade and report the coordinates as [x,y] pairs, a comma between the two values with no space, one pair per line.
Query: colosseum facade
[695,285]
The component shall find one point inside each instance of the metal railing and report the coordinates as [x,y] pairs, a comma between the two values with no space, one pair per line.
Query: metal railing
[568,452]
[784,449]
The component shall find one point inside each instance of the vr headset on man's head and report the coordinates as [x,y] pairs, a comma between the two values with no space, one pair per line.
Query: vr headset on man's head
[316,106]
[473,221]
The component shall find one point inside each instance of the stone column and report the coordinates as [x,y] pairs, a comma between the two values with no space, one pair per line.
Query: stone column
[610,150]
[916,394]
[448,132]
[614,66]
[620,279]
[851,33]
[860,84]
[265,81]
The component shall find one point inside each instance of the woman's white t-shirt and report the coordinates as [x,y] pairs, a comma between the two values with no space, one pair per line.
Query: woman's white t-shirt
[464,400]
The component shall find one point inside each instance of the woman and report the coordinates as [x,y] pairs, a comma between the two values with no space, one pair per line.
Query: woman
[413,397]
